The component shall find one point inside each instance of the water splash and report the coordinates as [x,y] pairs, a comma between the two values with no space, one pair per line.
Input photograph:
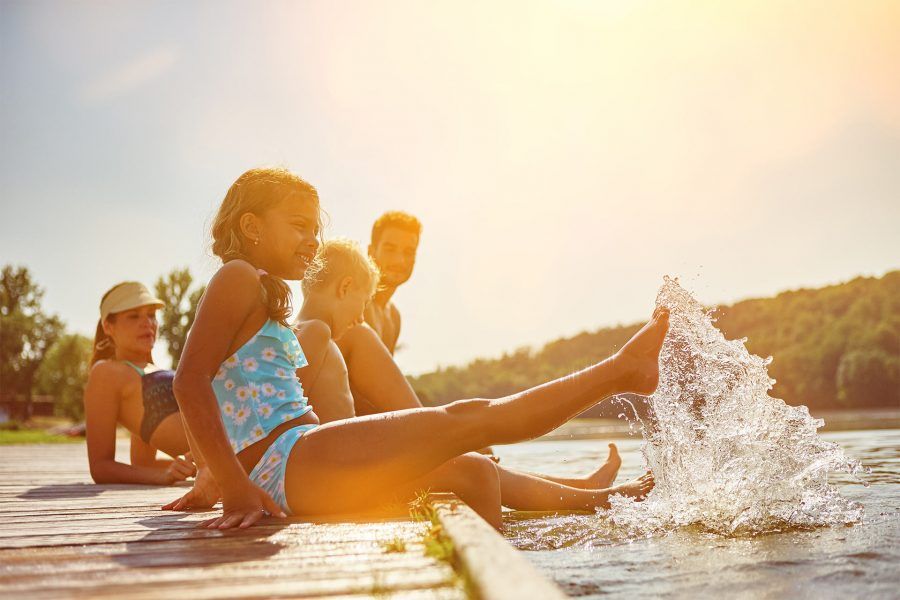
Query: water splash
[725,455]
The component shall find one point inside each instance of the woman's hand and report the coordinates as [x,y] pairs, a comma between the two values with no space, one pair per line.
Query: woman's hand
[244,506]
[204,494]
[180,469]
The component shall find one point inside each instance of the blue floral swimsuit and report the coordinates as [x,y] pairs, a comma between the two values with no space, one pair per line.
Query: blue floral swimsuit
[257,390]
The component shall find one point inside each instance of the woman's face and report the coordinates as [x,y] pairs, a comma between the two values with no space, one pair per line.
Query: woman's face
[349,310]
[133,330]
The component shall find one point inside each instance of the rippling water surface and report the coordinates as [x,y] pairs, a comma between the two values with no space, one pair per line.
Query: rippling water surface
[590,556]
[750,500]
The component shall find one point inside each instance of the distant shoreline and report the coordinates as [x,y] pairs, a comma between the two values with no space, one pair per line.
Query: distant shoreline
[835,420]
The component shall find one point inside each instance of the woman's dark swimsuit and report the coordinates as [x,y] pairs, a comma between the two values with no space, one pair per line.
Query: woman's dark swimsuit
[159,399]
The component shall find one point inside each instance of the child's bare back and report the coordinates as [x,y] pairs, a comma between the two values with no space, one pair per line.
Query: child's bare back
[326,374]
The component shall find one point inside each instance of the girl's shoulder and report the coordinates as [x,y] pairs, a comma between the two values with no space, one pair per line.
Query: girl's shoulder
[237,269]
[235,281]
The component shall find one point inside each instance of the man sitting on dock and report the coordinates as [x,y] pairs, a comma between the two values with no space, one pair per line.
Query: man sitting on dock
[393,246]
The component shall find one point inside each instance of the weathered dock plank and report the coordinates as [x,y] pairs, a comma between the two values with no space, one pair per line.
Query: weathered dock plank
[63,536]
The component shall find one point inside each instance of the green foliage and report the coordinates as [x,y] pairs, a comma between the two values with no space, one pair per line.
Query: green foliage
[864,376]
[32,436]
[63,374]
[396,544]
[438,544]
[181,307]
[833,347]
[26,332]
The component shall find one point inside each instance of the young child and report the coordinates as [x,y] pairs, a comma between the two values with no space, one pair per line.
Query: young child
[259,439]
[335,295]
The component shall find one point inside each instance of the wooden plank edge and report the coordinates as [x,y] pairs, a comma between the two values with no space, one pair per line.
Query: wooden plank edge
[491,567]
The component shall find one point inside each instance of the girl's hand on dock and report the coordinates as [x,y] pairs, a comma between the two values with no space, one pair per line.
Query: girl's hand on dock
[204,494]
[244,506]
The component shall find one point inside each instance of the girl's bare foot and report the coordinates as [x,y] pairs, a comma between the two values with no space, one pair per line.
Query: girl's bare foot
[638,360]
[636,488]
[603,477]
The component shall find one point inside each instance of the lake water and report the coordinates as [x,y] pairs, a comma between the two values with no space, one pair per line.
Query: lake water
[588,557]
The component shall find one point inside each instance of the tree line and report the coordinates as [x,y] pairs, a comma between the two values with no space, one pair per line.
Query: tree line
[39,357]
[835,347]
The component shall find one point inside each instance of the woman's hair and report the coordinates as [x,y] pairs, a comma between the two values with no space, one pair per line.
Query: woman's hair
[339,258]
[104,348]
[256,191]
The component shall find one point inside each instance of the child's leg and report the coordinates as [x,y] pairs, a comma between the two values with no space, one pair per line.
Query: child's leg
[523,491]
[603,477]
[483,486]
[339,466]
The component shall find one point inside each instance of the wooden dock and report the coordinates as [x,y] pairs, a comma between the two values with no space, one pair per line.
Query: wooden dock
[63,536]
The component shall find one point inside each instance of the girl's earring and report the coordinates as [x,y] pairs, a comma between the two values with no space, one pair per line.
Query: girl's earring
[256,242]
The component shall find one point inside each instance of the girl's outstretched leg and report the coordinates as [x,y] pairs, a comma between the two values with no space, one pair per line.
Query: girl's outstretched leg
[339,466]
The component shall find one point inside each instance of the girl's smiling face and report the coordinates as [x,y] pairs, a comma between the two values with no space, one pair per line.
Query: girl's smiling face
[287,238]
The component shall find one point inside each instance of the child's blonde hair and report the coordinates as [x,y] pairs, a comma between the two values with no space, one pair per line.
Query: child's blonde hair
[338,258]
[256,191]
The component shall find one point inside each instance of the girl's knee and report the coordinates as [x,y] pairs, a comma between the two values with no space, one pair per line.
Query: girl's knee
[478,471]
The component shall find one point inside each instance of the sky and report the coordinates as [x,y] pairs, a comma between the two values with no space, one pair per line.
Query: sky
[563,156]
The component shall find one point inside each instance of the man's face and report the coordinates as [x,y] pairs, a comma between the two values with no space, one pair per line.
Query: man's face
[395,255]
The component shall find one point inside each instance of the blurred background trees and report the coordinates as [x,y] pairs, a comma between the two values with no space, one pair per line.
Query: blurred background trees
[181,306]
[26,334]
[836,347]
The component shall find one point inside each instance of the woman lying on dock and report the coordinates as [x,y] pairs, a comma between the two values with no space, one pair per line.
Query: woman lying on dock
[240,398]
[343,279]
[124,387]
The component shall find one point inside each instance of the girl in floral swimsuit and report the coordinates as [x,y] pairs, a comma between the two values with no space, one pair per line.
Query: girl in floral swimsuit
[267,231]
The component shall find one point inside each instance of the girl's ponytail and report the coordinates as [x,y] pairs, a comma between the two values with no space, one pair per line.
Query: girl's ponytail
[277,297]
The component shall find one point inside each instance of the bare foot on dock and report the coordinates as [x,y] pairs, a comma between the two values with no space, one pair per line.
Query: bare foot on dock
[639,357]
[603,477]
[636,488]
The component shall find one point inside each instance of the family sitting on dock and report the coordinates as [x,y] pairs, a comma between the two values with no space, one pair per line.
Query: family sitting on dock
[316,419]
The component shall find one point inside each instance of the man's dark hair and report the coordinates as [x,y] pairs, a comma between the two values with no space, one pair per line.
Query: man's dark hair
[398,219]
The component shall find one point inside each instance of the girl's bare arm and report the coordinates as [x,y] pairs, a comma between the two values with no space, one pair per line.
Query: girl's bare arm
[233,296]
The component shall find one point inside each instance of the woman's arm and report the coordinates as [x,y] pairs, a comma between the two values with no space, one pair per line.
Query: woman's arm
[101,410]
[232,296]
[144,455]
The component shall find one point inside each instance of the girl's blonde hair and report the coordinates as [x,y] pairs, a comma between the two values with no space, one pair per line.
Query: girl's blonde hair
[256,191]
[339,258]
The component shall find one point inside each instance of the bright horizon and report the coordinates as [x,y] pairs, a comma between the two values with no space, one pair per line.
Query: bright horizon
[562,157]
